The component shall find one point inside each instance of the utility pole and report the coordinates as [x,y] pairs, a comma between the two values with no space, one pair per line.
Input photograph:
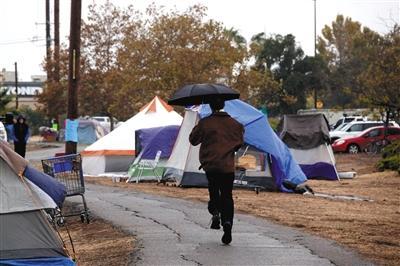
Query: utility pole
[56,74]
[48,38]
[16,86]
[74,67]
[315,49]
[57,42]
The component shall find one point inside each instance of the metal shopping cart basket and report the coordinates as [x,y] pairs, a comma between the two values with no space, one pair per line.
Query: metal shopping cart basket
[67,169]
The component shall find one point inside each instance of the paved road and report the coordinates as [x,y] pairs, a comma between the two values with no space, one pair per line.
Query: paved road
[175,232]
[45,153]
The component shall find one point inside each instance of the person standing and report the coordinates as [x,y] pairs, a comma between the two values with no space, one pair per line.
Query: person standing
[220,137]
[21,136]
[9,125]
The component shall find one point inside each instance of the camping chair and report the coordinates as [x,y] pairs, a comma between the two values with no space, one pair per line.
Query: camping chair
[245,161]
[140,165]
[134,167]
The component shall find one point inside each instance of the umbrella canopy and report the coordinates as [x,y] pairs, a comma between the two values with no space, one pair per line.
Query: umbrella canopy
[195,94]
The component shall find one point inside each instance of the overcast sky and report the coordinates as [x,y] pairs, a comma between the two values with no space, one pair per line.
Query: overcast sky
[23,21]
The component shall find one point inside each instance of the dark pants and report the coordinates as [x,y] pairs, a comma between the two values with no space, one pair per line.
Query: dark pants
[220,189]
[20,148]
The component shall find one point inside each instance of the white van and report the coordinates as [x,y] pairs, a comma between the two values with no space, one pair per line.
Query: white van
[347,119]
[105,121]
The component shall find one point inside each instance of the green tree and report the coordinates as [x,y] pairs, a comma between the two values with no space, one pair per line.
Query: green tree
[283,58]
[4,99]
[237,39]
[381,78]
[343,45]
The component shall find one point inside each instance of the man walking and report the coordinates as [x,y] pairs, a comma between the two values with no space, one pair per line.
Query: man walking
[220,137]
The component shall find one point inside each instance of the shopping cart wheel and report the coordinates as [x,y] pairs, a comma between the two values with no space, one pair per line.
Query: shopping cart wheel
[60,221]
[87,219]
[82,218]
[257,190]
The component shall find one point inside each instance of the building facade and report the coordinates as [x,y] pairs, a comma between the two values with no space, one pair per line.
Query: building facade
[28,91]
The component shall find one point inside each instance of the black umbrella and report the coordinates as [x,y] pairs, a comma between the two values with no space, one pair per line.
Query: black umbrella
[194,94]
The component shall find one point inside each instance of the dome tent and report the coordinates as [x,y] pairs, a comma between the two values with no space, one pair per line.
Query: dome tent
[115,152]
[27,237]
[183,165]
[307,137]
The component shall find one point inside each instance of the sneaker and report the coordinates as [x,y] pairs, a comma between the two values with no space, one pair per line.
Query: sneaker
[227,237]
[215,222]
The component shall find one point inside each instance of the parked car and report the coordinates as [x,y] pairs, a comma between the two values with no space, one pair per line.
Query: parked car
[347,119]
[356,127]
[340,127]
[3,132]
[358,143]
[105,121]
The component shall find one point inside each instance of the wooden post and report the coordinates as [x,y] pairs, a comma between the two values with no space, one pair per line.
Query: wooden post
[74,67]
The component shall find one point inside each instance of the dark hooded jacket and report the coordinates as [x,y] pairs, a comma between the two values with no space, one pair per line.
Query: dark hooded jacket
[220,136]
[21,132]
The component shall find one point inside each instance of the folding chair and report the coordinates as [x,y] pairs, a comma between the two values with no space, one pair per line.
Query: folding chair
[142,165]
[134,167]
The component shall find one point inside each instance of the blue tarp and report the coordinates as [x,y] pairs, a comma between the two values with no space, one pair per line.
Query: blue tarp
[53,261]
[71,130]
[86,134]
[259,134]
[48,184]
[157,139]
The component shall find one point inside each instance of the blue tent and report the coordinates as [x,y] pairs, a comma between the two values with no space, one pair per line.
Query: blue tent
[259,134]
[89,131]
[150,140]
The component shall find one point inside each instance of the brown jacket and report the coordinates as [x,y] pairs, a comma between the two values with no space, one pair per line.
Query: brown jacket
[220,136]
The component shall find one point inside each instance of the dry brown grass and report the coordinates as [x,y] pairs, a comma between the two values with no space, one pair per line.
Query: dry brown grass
[371,228]
[97,243]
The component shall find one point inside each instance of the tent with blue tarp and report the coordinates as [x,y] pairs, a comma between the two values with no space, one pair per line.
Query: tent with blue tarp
[150,140]
[258,134]
[26,236]
[89,131]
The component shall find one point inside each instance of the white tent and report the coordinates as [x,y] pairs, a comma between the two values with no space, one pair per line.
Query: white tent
[183,164]
[115,151]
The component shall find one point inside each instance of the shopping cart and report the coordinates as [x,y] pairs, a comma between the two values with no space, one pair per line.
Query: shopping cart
[67,169]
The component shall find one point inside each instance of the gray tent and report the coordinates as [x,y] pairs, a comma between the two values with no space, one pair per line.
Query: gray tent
[26,235]
[304,131]
[307,137]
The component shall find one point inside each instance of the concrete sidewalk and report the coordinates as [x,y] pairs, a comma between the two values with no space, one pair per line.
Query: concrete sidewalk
[176,232]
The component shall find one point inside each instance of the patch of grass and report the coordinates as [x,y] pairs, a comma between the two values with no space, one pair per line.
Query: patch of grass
[390,157]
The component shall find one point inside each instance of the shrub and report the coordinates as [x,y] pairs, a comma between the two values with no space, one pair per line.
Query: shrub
[34,119]
[390,157]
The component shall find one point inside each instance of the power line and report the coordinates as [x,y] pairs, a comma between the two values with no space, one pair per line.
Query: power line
[23,41]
